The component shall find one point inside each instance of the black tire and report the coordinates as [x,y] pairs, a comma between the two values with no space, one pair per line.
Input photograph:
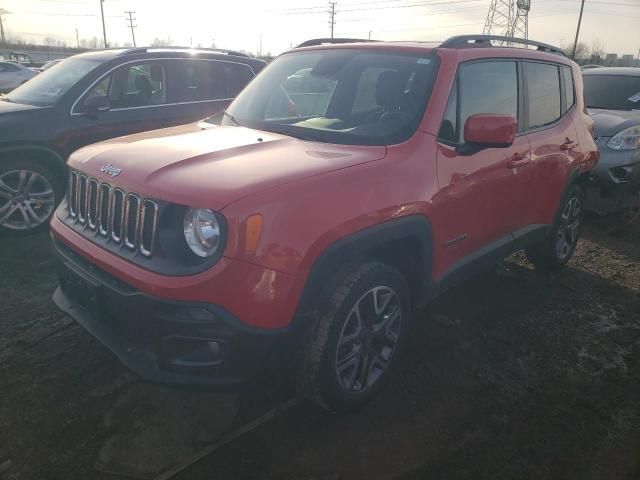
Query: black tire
[317,377]
[44,206]
[548,254]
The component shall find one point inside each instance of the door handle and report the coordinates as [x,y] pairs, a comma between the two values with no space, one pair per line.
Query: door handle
[518,159]
[568,144]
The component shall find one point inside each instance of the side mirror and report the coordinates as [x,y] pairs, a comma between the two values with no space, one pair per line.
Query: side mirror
[490,130]
[99,103]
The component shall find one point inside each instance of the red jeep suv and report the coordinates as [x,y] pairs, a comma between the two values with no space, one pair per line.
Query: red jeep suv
[346,185]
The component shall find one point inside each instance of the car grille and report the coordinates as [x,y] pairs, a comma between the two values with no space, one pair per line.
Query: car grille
[124,218]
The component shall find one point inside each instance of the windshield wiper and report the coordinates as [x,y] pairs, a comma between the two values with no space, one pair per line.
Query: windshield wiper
[232,118]
[291,132]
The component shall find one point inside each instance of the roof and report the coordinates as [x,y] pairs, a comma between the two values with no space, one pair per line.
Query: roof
[154,52]
[623,71]
[455,42]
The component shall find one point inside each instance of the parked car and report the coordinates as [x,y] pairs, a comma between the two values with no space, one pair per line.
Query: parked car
[96,96]
[50,64]
[196,253]
[612,96]
[13,75]
[591,66]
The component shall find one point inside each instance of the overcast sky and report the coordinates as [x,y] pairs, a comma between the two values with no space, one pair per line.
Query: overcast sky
[239,24]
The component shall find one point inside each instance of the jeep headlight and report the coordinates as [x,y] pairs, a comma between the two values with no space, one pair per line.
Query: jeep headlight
[627,139]
[202,231]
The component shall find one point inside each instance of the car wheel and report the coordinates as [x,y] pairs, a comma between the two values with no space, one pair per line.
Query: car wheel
[29,193]
[355,338]
[558,246]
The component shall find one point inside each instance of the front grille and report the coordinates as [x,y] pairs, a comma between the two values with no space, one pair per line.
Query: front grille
[124,218]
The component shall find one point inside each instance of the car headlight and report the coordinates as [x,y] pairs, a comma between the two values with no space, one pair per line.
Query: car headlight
[627,139]
[202,231]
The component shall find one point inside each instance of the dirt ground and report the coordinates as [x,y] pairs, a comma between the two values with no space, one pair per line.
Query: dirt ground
[514,374]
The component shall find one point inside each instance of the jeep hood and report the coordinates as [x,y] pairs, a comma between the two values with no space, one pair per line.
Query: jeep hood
[609,122]
[211,166]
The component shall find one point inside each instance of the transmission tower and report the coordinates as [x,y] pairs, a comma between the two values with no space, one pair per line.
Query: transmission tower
[509,18]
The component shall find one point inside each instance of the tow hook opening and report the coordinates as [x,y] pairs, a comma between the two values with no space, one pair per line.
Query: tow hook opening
[192,352]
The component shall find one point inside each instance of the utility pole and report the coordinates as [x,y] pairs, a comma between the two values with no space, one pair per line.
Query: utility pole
[104,29]
[77,38]
[369,34]
[2,38]
[575,42]
[332,16]
[131,25]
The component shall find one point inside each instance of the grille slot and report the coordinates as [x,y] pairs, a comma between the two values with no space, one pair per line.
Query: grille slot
[117,214]
[123,218]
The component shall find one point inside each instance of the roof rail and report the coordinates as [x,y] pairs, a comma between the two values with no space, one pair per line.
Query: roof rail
[329,41]
[131,51]
[466,41]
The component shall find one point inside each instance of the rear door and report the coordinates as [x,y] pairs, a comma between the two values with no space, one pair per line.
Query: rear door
[482,192]
[549,100]
[204,87]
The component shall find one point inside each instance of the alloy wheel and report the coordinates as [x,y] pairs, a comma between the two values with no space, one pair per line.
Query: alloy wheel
[368,339]
[568,228]
[27,199]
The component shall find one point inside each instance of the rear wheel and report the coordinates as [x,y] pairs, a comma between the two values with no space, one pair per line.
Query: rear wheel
[354,343]
[558,246]
[29,193]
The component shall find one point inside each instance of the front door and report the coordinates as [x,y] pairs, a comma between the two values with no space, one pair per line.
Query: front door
[137,94]
[482,192]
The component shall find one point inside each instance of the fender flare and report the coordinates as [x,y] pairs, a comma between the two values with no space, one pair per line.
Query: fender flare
[59,164]
[370,243]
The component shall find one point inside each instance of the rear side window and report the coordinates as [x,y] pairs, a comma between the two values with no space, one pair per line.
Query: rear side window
[236,77]
[197,80]
[482,87]
[543,93]
[567,79]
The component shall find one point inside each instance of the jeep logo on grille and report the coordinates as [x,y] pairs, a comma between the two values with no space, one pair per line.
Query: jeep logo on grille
[109,169]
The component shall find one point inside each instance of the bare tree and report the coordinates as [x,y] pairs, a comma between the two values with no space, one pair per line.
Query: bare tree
[161,42]
[597,48]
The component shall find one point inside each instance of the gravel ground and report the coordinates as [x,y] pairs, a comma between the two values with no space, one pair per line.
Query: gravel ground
[514,374]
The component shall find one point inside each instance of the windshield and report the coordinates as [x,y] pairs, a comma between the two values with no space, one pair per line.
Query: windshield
[49,86]
[358,97]
[612,92]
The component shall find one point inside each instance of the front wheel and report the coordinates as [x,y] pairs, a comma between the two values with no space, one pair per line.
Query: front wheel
[29,193]
[354,344]
[556,249]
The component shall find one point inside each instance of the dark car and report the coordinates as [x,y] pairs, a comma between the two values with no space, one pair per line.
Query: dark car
[97,96]
[612,97]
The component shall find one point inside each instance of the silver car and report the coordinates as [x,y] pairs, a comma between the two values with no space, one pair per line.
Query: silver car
[612,97]
[13,75]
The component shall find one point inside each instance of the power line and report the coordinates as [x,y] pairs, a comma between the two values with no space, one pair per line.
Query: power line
[131,19]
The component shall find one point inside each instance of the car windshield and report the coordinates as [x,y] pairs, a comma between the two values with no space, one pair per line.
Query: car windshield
[47,88]
[612,92]
[344,96]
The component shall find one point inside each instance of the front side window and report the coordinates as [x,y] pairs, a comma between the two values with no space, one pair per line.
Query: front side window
[48,87]
[612,92]
[481,87]
[339,95]
[543,93]
[133,85]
